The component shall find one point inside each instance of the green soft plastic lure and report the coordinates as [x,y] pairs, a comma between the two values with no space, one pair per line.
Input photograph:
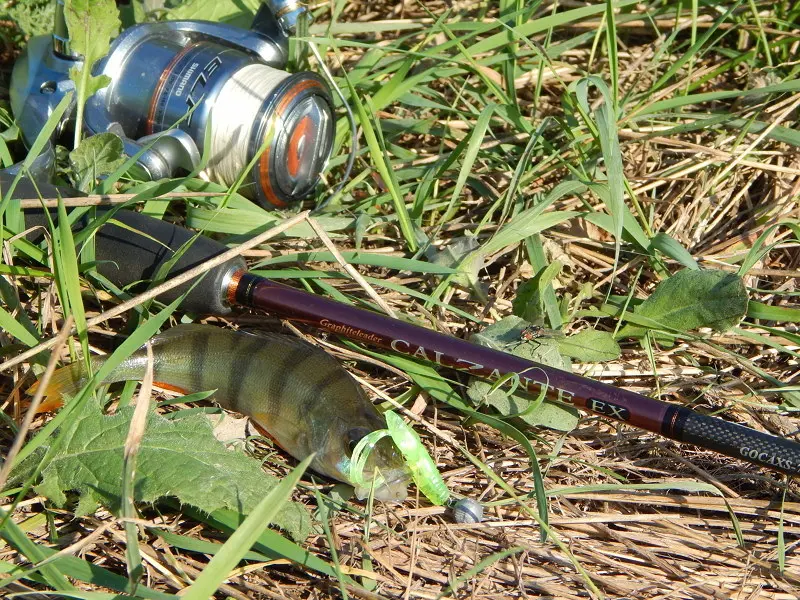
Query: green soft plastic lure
[420,464]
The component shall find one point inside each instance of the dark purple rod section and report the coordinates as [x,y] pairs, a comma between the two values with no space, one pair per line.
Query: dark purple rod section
[669,420]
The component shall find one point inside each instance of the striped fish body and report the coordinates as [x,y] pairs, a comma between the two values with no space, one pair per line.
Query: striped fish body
[300,395]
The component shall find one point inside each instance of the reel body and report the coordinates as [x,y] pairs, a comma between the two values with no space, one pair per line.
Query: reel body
[182,89]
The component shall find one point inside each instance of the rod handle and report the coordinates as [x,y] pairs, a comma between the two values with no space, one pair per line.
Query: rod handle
[734,440]
[131,248]
[131,251]
[136,251]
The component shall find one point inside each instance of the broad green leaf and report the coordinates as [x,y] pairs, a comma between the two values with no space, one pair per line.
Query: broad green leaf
[590,345]
[523,406]
[232,12]
[692,299]
[92,24]
[33,18]
[529,301]
[506,335]
[232,551]
[96,156]
[178,457]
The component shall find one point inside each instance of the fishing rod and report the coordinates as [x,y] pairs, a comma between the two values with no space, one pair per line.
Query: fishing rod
[670,420]
[135,249]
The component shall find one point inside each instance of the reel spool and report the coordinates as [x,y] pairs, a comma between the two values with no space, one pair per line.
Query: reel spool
[243,105]
[183,89]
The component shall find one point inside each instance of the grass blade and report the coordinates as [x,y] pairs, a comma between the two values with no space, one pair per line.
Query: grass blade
[270,543]
[68,277]
[379,158]
[534,26]
[470,155]
[244,537]
[605,124]
[12,533]
[43,139]
[479,568]
[613,60]
[663,106]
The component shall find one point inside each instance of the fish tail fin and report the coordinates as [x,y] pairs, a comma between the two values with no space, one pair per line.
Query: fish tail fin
[66,381]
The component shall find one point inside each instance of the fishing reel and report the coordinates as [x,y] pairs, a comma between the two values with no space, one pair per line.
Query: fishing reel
[181,90]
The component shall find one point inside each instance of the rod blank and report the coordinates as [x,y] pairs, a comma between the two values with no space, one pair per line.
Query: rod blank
[672,421]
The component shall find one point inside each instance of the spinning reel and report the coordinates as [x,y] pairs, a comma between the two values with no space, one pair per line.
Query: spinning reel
[182,89]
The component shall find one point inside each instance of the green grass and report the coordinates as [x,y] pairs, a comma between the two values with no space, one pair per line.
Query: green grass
[624,141]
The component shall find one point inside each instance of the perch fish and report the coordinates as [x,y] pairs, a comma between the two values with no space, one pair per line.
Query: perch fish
[298,394]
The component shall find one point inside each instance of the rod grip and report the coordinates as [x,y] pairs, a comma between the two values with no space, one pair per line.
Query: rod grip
[136,251]
[131,251]
[734,440]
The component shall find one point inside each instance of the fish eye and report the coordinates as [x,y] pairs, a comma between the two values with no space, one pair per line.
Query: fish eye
[355,435]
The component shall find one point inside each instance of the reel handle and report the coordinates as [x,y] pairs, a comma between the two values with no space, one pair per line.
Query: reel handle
[132,248]
[292,16]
